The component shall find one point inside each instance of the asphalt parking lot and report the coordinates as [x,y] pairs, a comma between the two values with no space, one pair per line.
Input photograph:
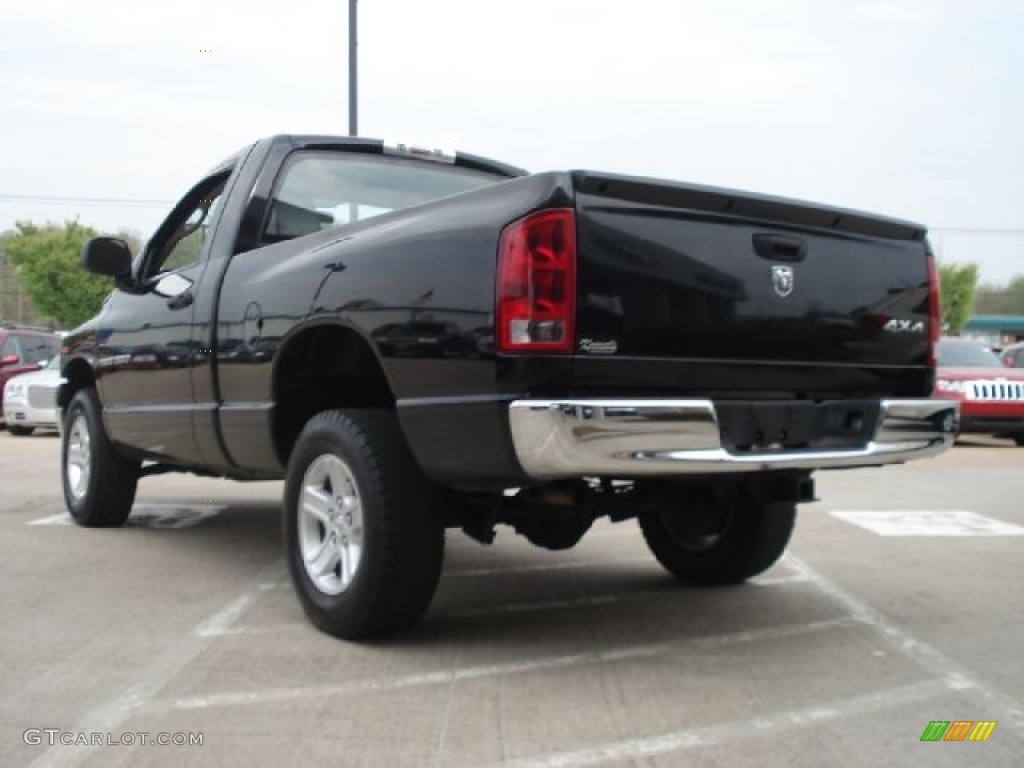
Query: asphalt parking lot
[184,623]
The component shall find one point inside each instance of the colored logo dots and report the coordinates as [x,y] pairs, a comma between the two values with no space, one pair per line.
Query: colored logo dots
[959,730]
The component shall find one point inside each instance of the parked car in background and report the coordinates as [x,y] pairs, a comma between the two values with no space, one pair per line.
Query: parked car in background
[22,350]
[991,395]
[30,399]
[1013,356]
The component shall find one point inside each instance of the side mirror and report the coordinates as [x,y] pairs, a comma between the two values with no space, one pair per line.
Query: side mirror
[107,256]
[8,360]
[172,286]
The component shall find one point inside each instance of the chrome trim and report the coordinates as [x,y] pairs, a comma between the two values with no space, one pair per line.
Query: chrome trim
[628,438]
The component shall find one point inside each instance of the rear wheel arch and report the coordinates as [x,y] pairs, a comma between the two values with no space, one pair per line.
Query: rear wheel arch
[321,367]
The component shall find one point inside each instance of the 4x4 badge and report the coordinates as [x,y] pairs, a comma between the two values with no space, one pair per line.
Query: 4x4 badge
[782,280]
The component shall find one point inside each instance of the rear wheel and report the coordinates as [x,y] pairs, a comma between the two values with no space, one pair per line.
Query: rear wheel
[712,540]
[362,527]
[99,483]
[1019,438]
[20,431]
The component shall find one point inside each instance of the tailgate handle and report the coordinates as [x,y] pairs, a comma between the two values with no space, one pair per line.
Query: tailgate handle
[780,247]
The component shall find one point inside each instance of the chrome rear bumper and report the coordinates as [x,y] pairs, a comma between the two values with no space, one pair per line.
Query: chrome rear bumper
[629,438]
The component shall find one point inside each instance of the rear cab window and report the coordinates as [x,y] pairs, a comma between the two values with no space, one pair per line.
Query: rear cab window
[318,189]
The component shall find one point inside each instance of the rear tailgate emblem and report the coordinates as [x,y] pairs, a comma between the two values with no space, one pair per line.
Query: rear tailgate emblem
[782,280]
[899,325]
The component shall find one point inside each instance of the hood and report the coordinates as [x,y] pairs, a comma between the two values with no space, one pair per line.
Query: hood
[42,376]
[965,373]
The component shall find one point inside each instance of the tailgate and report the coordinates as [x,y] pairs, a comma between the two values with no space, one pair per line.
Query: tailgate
[793,295]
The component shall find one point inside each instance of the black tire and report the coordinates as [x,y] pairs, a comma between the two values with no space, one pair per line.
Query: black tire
[103,497]
[719,542]
[385,583]
[1019,438]
[20,431]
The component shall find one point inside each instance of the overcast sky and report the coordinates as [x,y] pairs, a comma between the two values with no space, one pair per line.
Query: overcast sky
[911,108]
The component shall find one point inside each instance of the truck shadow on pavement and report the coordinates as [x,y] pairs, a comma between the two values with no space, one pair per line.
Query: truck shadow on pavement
[509,594]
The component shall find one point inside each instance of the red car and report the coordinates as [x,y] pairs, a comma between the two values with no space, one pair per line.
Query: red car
[991,395]
[22,350]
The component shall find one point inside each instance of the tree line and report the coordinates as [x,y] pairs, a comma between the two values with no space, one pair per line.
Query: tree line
[962,296]
[41,280]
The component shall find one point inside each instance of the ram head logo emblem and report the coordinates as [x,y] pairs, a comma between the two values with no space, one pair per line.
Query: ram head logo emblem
[782,280]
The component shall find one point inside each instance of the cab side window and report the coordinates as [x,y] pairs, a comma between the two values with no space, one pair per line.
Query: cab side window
[183,247]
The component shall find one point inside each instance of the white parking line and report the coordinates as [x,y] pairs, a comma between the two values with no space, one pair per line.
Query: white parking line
[775,581]
[110,716]
[221,622]
[926,522]
[632,750]
[62,519]
[273,695]
[924,654]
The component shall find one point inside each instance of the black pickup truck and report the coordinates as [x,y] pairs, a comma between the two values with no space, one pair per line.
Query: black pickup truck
[418,341]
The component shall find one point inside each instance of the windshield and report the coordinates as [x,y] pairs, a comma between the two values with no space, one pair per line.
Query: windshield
[966,354]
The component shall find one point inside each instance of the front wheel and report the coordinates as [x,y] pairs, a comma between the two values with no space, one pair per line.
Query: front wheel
[363,532]
[711,540]
[99,483]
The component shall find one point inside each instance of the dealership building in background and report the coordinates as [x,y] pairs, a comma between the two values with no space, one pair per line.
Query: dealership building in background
[995,330]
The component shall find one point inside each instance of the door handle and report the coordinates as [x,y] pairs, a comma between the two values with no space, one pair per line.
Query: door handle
[780,247]
[181,301]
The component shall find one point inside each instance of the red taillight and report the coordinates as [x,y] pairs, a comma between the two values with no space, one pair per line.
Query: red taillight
[934,307]
[536,291]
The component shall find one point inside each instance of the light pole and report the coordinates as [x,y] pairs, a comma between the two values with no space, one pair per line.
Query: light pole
[353,123]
